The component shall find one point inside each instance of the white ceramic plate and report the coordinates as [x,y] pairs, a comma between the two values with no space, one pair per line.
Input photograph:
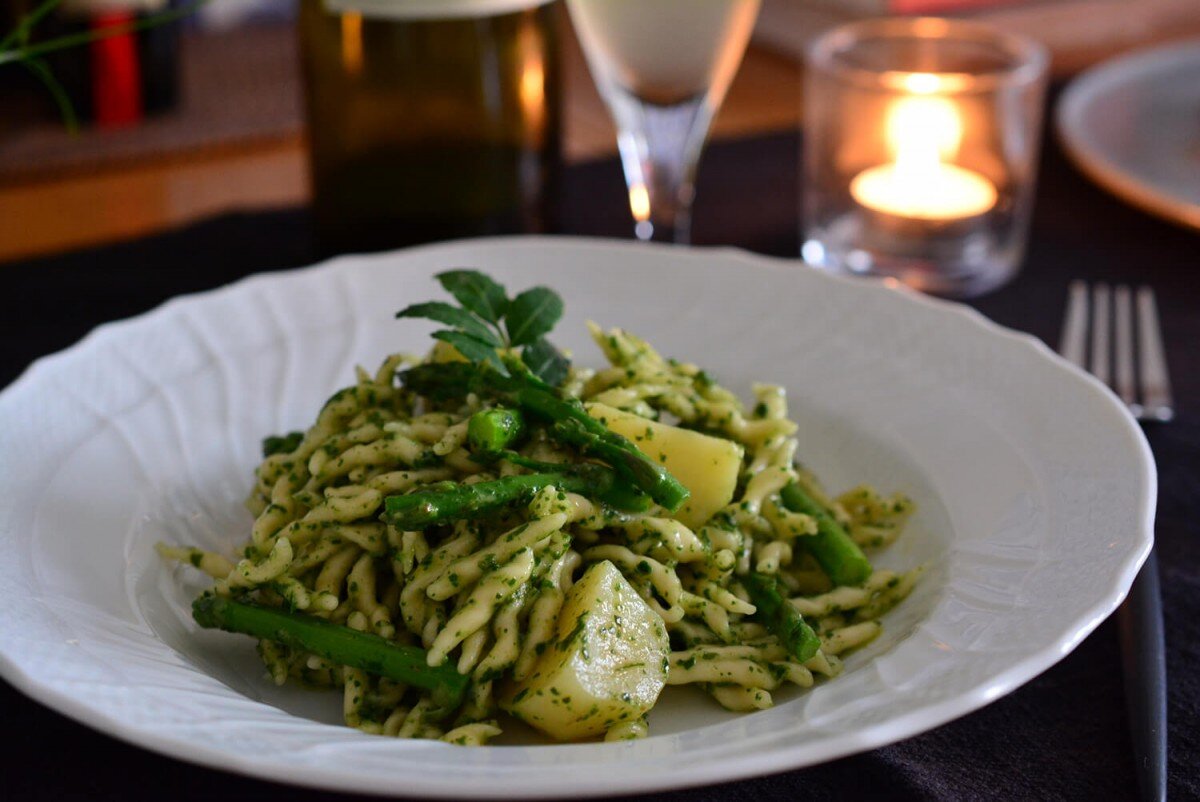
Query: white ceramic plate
[1035,492]
[1133,125]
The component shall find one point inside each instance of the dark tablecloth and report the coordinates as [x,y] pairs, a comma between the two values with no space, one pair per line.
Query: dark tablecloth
[1061,736]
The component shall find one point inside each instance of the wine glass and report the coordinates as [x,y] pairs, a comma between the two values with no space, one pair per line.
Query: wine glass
[663,67]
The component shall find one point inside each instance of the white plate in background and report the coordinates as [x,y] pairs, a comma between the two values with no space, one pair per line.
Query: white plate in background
[1035,492]
[1133,125]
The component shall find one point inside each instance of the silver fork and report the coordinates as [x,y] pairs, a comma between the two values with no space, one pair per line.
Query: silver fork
[1139,618]
[1112,319]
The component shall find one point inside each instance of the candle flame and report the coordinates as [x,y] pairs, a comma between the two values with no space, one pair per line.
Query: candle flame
[924,132]
[922,83]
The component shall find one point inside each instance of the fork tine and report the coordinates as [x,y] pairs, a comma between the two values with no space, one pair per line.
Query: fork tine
[1074,333]
[1100,363]
[1123,308]
[1156,386]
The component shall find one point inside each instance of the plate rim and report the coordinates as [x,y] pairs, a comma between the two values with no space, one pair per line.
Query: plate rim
[779,759]
[1092,161]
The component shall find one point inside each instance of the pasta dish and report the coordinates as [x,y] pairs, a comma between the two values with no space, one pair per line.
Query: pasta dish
[489,530]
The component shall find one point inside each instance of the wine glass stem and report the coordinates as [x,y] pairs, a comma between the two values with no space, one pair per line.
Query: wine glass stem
[660,147]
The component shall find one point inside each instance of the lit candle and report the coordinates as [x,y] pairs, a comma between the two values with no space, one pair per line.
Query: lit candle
[924,132]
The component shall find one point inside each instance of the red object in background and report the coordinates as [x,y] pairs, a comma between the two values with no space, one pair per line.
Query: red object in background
[116,73]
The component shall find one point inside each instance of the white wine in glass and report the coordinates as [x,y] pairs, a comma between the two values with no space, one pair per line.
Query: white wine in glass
[663,67]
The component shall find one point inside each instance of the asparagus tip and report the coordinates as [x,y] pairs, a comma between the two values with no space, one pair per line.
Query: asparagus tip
[206,610]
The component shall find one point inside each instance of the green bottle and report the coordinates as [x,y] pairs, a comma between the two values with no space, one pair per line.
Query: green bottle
[430,119]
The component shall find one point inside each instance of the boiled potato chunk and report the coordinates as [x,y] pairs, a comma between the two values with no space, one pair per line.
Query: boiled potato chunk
[606,665]
[707,466]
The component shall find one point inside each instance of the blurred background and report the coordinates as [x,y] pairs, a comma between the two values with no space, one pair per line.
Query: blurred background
[207,115]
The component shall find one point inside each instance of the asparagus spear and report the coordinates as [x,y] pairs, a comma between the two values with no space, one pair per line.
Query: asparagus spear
[779,616]
[614,490]
[490,431]
[572,424]
[600,442]
[338,644]
[447,501]
[838,555]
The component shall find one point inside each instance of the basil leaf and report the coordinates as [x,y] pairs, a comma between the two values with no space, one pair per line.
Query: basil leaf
[532,314]
[453,316]
[476,292]
[476,351]
[546,362]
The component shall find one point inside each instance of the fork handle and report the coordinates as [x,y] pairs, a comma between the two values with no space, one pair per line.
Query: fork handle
[1140,624]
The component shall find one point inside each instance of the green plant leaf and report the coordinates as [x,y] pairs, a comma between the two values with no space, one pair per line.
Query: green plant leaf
[61,99]
[460,319]
[475,350]
[20,34]
[28,52]
[532,314]
[476,292]
[546,362]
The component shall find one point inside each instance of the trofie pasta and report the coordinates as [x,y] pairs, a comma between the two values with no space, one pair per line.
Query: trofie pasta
[489,530]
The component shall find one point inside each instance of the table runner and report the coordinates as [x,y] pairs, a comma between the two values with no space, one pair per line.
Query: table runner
[1063,735]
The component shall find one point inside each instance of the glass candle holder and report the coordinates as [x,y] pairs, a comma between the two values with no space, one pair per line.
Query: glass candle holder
[920,152]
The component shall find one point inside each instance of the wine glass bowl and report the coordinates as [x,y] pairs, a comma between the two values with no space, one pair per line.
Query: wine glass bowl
[663,68]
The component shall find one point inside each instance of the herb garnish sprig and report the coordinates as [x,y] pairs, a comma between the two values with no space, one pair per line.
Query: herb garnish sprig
[487,329]
[488,322]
